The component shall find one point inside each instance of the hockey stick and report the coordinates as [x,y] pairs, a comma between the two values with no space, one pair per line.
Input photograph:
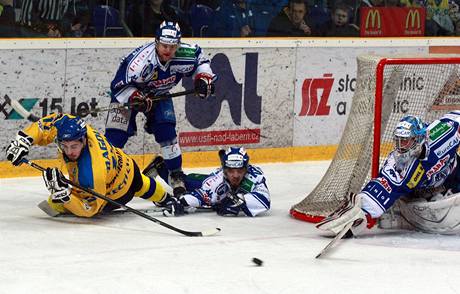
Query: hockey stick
[135,211]
[128,105]
[335,240]
[46,208]
[33,118]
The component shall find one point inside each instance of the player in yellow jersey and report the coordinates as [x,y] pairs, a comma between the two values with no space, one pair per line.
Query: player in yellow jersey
[92,162]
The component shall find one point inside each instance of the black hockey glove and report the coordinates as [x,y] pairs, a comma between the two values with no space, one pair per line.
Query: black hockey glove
[139,102]
[204,85]
[19,148]
[173,206]
[60,191]
[231,205]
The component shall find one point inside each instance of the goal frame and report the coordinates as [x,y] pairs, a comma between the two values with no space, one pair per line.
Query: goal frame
[379,87]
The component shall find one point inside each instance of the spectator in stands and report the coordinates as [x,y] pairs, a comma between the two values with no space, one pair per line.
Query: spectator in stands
[340,25]
[210,3]
[457,29]
[372,3]
[291,21]
[79,27]
[393,3]
[6,12]
[438,21]
[147,15]
[411,3]
[53,30]
[233,19]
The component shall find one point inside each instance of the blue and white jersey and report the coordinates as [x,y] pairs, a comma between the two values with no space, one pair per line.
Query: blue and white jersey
[142,70]
[215,188]
[438,164]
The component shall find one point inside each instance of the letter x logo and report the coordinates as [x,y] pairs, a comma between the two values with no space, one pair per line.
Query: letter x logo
[9,113]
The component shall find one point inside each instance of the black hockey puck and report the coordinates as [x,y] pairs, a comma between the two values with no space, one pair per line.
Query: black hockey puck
[257,261]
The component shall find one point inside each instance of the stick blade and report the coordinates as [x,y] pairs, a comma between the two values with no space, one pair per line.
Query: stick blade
[46,208]
[337,238]
[205,233]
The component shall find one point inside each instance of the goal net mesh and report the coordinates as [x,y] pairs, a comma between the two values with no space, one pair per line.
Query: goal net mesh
[425,86]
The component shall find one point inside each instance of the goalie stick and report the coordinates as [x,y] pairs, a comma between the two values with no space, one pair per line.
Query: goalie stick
[33,118]
[209,232]
[337,238]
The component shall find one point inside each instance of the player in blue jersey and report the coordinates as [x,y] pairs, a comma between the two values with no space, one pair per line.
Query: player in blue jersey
[151,70]
[237,187]
[422,172]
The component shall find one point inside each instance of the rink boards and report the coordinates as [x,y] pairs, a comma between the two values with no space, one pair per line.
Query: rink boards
[284,99]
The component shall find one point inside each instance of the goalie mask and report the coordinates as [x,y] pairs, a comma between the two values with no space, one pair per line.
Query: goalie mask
[409,137]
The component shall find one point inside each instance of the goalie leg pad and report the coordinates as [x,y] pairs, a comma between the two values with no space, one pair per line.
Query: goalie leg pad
[439,217]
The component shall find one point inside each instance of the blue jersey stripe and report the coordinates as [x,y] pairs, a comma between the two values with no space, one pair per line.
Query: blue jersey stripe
[85,169]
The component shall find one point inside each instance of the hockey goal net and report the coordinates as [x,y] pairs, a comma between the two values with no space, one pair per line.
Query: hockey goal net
[387,89]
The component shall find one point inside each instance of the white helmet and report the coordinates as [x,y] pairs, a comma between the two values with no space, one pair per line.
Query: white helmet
[409,136]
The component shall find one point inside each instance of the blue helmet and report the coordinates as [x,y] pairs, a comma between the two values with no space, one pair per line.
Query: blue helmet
[235,157]
[410,134]
[70,128]
[169,33]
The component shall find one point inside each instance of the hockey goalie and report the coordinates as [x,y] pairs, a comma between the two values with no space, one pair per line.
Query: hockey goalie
[419,180]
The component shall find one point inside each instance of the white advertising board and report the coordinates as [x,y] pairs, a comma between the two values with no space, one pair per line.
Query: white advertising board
[254,95]
[325,83]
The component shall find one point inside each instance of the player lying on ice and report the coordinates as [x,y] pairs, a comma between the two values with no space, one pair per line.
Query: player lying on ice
[235,187]
[422,172]
[91,161]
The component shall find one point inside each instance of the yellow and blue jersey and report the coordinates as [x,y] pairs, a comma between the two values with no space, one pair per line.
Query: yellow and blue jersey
[101,167]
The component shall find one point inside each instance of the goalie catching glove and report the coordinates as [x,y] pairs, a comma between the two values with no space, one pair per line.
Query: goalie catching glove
[60,191]
[204,85]
[140,102]
[19,148]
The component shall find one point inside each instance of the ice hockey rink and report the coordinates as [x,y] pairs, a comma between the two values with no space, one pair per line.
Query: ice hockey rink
[129,254]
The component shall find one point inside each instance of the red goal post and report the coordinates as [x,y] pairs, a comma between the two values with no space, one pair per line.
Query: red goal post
[429,86]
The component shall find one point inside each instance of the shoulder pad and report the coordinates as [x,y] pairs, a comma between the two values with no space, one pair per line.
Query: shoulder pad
[141,62]
[186,50]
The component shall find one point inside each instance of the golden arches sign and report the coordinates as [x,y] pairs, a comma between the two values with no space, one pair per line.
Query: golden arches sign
[375,19]
[413,17]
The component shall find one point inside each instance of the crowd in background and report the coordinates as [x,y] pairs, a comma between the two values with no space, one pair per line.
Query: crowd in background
[208,18]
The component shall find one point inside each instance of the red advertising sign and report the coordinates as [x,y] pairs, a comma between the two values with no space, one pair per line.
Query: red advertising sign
[392,21]
[226,137]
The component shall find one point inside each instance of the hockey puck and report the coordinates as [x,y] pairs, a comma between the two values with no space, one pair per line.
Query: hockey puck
[257,261]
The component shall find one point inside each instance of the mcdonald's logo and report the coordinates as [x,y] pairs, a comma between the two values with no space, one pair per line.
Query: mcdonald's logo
[413,18]
[375,20]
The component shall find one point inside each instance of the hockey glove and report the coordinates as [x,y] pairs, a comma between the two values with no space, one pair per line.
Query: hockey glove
[204,85]
[173,206]
[230,205]
[349,212]
[19,148]
[60,191]
[139,102]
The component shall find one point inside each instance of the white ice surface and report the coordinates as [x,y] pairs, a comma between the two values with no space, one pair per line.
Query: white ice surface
[128,254]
